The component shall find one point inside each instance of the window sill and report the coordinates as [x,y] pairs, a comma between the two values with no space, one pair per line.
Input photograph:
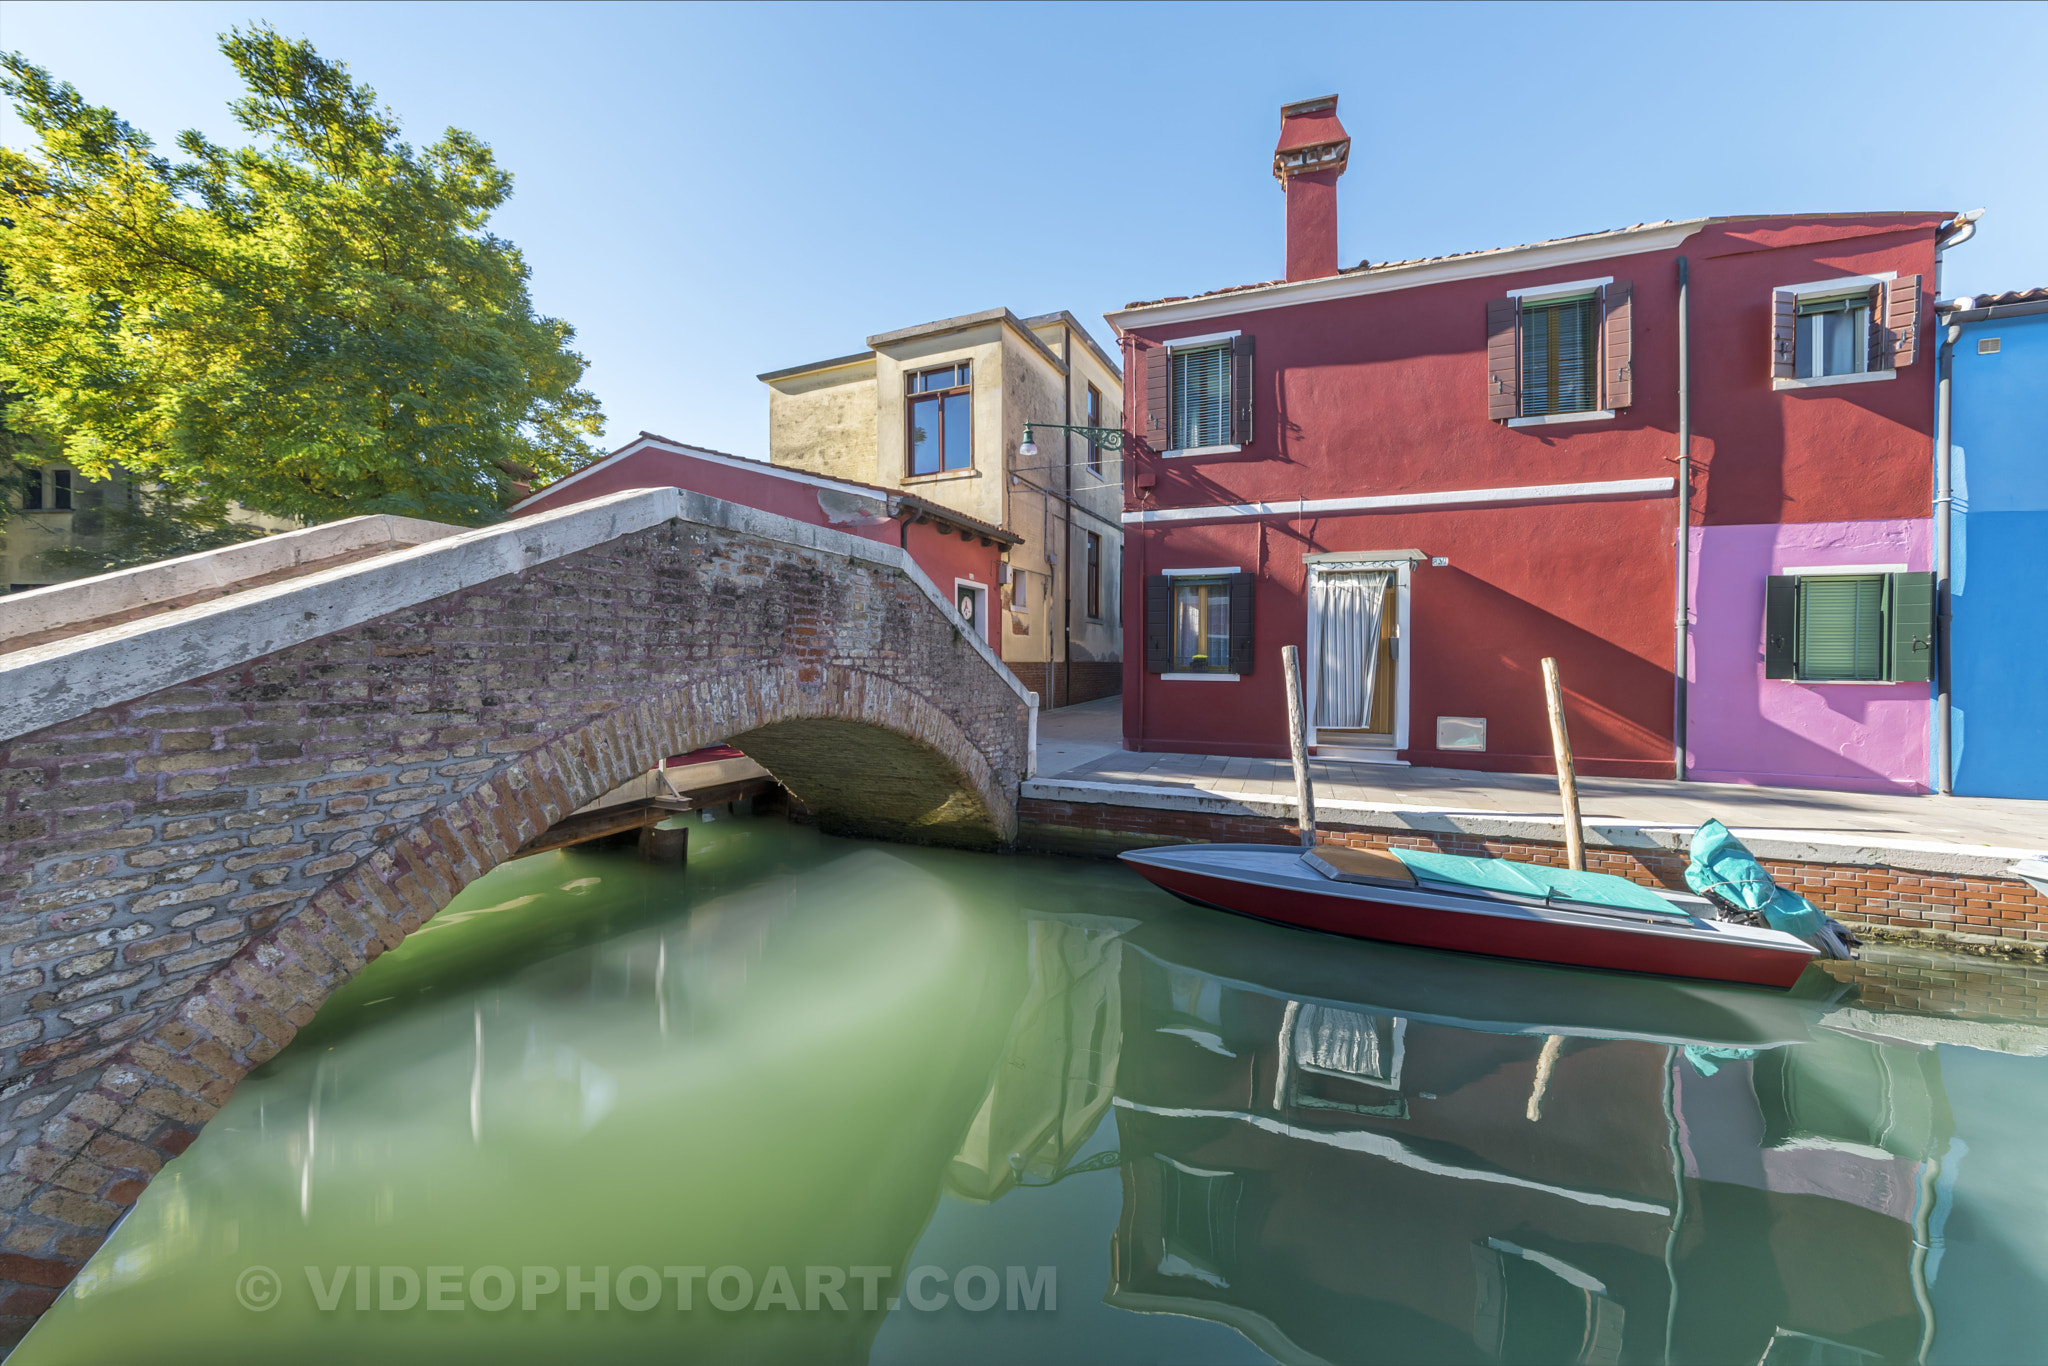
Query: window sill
[969,473]
[1198,678]
[1823,381]
[1589,415]
[1202,450]
[1841,682]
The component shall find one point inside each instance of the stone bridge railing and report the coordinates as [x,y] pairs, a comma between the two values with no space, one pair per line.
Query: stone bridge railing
[216,815]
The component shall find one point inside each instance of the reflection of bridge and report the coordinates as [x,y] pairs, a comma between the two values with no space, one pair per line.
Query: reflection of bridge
[216,814]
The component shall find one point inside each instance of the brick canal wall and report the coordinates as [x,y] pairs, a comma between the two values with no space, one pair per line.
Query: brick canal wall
[1064,684]
[188,873]
[1964,909]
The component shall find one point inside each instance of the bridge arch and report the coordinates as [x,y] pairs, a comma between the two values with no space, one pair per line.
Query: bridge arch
[192,869]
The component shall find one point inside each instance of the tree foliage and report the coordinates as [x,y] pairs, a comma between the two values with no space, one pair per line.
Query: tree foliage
[316,324]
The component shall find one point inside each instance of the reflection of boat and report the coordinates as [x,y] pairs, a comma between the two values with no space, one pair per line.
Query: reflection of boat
[1489,995]
[1488,906]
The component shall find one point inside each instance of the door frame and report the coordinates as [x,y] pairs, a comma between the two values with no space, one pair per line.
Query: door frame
[1402,568]
[982,597]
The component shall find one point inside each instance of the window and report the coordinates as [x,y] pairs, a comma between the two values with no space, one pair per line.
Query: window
[1849,627]
[1833,337]
[1560,355]
[32,491]
[60,490]
[1198,395]
[1198,623]
[1858,327]
[1020,590]
[941,427]
[1094,575]
[1201,398]
[1201,626]
[1094,419]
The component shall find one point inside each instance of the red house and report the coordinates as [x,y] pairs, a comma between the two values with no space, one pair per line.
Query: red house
[964,557]
[1431,474]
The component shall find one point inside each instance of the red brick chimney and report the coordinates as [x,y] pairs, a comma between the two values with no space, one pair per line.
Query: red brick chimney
[1312,152]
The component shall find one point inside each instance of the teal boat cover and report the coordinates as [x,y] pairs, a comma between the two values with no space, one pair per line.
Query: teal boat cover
[1723,868]
[1531,879]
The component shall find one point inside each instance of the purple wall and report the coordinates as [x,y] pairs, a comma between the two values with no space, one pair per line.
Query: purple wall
[1745,728]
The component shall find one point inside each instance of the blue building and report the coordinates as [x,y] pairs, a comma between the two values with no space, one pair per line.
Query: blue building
[1998,643]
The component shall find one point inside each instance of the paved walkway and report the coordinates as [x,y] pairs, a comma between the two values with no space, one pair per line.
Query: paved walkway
[1084,744]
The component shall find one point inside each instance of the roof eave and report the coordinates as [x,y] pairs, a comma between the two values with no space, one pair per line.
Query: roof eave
[1476,265]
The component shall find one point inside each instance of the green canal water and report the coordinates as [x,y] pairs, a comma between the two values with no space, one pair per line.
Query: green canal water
[871,1103]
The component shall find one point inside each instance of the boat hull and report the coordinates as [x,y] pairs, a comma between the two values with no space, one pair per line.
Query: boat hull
[1270,883]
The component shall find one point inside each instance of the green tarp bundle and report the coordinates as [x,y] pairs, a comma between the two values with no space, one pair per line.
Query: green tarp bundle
[1530,879]
[1722,868]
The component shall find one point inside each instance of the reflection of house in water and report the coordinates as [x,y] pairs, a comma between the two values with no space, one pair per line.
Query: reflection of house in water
[1342,1182]
[1059,1066]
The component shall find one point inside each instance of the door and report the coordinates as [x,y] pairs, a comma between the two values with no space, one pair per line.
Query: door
[1355,615]
[972,600]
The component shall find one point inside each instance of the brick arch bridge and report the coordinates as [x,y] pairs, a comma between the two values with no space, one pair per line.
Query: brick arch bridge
[215,816]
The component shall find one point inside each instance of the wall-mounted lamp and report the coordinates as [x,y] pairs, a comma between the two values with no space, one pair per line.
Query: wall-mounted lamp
[1109,438]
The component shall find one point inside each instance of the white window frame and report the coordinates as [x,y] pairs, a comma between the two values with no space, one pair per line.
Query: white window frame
[1840,287]
[1403,572]
[1191,344]
[1538,293]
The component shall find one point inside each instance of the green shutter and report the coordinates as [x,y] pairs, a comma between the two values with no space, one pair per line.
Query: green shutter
[1909,626]
[1242,633]
[1781,626]
[1841,627]
[1158,623]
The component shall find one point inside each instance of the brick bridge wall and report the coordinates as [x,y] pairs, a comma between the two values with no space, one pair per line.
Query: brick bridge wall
[187,874]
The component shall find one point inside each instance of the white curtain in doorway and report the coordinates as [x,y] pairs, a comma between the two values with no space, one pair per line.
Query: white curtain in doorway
[1348,607]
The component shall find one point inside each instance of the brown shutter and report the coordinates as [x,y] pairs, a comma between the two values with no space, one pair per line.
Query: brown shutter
[1784,324]
[1242,587]
[1241,390]
[1503,377]
[1158,624]
[1619,302]
[1902,320]
[1158,429]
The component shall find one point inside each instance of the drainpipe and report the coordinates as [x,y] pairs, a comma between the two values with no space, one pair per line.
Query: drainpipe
[1067,517]
[1962,228]
[1944,385]
[1681,644]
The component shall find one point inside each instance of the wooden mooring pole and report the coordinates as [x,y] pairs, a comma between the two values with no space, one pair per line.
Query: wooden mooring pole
[1297,746]
[1567,779]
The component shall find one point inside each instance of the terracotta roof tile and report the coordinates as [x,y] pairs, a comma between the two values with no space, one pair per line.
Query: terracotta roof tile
[1366,267]
[2011,296]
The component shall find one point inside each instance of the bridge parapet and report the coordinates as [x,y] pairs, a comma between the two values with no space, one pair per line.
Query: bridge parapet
[216,815]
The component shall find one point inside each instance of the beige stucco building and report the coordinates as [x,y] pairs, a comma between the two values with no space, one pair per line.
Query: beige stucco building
[57,507]
[940,409]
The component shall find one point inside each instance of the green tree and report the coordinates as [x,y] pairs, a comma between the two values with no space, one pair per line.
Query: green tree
[314,325]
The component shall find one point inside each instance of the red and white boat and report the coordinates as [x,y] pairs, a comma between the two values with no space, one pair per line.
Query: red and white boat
[1473,905]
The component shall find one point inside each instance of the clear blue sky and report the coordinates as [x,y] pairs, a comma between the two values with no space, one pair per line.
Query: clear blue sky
[707,191]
